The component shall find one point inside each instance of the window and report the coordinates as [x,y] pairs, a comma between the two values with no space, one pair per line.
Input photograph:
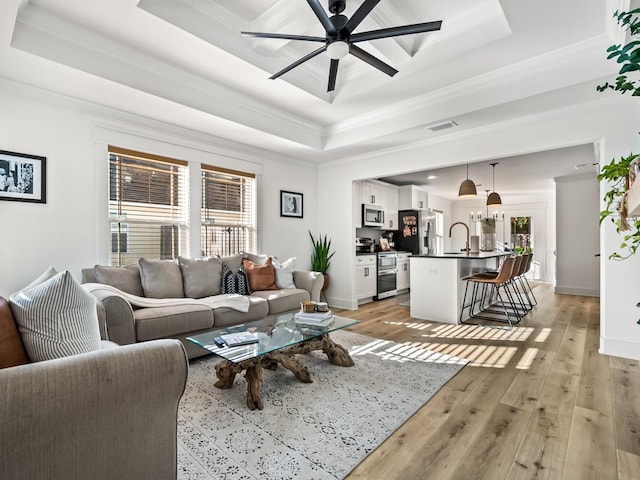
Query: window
[228,215]
[148,206]
[439,231]
[521,237]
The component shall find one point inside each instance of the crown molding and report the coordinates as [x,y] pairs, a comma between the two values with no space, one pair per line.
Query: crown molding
[48,35]
[109,118]
[541,118]
[530,75]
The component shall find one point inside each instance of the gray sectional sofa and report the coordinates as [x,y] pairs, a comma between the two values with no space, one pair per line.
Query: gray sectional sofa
[156,299]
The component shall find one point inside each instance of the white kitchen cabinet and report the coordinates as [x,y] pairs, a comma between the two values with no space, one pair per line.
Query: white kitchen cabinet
[365,276]
[412,197]
[371,192]
[403,280]
[390,208]
[382,194]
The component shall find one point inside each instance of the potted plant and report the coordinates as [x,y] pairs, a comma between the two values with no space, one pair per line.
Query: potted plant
[321,256]
[616,173]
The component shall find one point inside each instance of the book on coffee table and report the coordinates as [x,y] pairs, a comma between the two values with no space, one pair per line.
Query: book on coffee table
[315,318]
[239,338]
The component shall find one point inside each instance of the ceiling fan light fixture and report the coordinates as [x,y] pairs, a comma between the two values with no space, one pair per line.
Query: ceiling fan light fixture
[337,50]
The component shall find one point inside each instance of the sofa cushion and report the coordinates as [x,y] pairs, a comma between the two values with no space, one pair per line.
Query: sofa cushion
[233,262]
[168,321]
[201,277]
[223,316]
[261,277]
[56,318]
[255,258]
[12,352]
[48,273]
[161,278]
[284,272]
[283,300]
[125,278]
[234,282]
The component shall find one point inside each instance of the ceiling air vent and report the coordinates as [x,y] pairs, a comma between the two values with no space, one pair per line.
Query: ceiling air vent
[442,126]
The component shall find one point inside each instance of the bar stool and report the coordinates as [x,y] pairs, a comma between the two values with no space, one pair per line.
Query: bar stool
[525,282]
[480,296]
[516,289]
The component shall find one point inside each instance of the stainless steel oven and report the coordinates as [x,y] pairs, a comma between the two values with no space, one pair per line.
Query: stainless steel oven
[387,275]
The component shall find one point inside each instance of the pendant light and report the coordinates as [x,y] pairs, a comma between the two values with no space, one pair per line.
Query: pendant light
[467,187]
[494,198]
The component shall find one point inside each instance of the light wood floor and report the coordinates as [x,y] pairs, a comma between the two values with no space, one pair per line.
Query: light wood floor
[538,402]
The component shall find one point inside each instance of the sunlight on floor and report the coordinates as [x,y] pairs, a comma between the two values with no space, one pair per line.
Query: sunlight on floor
[485,332]
[492,356]
[518,334]
[487,356]
[527,359]
[405,353]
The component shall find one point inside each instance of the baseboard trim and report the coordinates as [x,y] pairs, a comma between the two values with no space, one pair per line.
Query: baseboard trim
[585,292]
[618,348]
[345,303]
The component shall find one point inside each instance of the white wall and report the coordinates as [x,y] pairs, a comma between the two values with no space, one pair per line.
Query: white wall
[71,230]
[578,236]
[609,121]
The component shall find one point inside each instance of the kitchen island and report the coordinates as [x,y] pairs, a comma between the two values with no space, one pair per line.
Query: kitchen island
[437,288]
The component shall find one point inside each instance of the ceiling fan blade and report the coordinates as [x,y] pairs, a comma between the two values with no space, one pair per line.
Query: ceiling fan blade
[299,62]
[360,14]
[283,36]
[371,60]
[396,31]
[333,75]
[323,17]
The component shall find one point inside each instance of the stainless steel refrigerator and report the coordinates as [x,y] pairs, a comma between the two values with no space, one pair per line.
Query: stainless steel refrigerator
[417,232]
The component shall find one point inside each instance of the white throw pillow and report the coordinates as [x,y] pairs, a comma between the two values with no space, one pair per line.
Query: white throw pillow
[48,273]
[284,272]
[56,318]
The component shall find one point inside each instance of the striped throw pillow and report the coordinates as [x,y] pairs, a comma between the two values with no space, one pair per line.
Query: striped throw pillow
[56,318]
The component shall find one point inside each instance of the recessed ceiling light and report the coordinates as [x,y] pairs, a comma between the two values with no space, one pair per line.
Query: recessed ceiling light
[432,177]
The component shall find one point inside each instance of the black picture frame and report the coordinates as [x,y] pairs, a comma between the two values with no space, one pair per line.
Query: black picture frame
[290,204]
[23,177]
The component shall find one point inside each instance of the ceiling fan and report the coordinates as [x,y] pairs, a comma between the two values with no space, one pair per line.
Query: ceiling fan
[340,39]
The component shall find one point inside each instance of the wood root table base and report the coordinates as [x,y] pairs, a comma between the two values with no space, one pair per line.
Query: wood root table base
[226,371]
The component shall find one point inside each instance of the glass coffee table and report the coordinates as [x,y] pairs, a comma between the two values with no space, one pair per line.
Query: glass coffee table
[279,340]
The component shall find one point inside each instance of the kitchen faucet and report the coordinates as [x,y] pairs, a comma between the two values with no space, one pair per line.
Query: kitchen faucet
[465,226]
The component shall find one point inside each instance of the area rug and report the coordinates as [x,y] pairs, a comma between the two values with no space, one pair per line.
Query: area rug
[318,430]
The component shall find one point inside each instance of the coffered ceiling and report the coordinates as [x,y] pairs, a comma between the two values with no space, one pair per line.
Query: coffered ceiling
[184,62]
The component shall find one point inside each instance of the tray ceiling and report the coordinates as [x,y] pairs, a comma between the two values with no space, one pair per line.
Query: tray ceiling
[185,62]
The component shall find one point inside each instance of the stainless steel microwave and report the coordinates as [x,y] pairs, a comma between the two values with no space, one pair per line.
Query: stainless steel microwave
[372,215]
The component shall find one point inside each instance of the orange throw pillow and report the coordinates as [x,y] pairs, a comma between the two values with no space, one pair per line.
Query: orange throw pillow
[12,352]
[261,277]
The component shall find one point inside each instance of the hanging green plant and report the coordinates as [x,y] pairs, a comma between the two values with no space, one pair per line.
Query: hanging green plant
[628,55]
[616,173]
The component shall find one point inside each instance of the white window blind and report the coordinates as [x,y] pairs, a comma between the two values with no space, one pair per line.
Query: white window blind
[148,206]
[229,218]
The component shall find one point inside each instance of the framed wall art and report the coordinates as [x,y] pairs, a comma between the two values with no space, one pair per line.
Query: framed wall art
[23,178]
[290,204]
